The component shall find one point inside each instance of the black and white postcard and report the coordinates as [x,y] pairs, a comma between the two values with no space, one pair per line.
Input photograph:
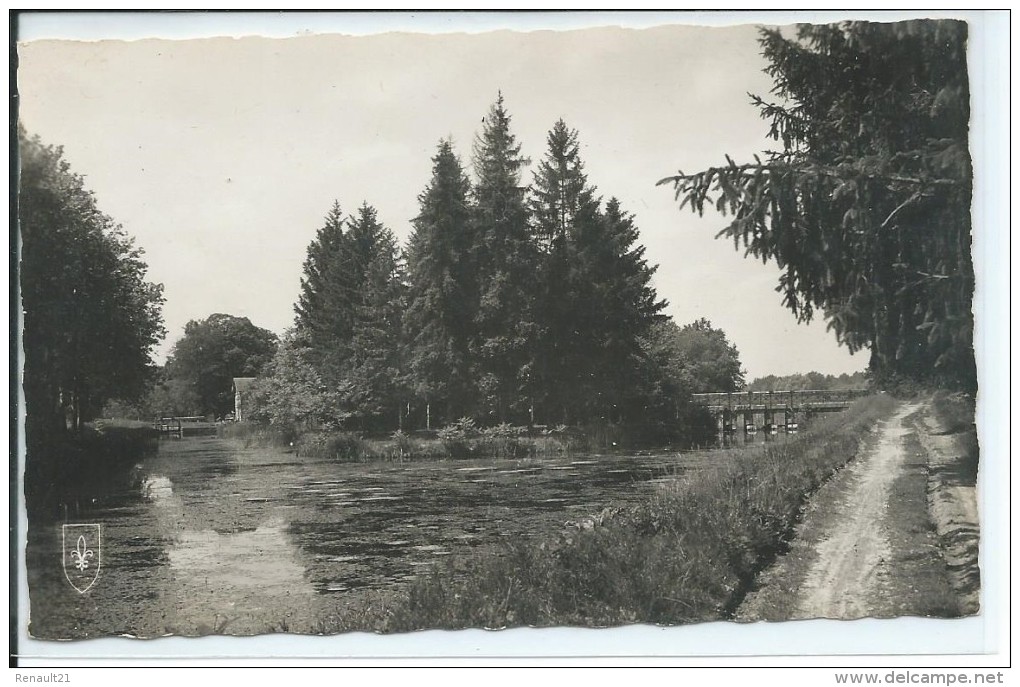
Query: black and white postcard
[333,324]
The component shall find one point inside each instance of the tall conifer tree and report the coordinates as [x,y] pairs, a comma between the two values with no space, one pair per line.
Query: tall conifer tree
[561,202]
[866,208]
[442,291]
[324,309]
[505,260]
[560,195]
[614,304]
[597,299]
[373,368]
[348,312]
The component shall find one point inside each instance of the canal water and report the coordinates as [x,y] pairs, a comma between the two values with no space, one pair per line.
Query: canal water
[207,536]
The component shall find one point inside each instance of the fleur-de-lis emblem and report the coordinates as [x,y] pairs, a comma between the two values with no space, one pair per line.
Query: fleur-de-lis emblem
[83,560]
[81,554]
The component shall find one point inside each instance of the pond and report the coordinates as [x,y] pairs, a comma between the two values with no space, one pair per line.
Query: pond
[207,536]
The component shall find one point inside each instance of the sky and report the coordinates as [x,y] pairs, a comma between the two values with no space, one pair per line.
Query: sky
[222,156]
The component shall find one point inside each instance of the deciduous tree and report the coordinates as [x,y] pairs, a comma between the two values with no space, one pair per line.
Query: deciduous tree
[697,357]
[91,319]
[215,350]
[293,394]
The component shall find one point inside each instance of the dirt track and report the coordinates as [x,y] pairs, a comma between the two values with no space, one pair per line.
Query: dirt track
[888,536]
[852,562]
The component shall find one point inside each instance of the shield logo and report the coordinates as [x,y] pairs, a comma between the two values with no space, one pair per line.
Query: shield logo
[83,555]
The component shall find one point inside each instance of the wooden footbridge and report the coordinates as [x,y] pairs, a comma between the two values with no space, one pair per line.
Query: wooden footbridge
[773,410]
[179,426]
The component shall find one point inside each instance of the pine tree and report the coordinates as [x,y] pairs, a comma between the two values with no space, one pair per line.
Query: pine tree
[596,300]
[374,368]
[364,238]
[348,313]
[324,311]
[560,194]
[561,201]
[867,207]
[615,304]
[442,291]
[505,265]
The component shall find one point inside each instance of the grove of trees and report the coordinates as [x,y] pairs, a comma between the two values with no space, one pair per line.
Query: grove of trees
[91,319]
[866,206]
[512,302]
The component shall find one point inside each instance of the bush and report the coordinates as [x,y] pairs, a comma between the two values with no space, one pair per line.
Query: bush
[403,443]
[456,437]
[571,439]
[91,461]
[458,440]
[504,441]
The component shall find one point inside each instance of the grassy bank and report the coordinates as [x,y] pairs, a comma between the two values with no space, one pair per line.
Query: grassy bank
[689,554]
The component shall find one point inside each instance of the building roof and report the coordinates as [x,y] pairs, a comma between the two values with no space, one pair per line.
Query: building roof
[242,383]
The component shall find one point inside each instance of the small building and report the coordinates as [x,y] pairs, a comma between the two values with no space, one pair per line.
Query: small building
[241,385]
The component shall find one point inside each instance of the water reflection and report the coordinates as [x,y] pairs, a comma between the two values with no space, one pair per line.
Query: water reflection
[757,438]
[157,487]
[263,558]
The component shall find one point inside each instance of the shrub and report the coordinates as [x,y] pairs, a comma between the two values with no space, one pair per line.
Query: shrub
[403,443]
[571,439]
[456,437]
[93,461]
[504,441]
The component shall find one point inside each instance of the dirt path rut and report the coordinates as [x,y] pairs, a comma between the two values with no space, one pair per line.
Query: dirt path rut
[853,560]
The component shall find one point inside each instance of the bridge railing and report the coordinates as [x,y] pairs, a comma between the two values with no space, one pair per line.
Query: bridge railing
[791,398]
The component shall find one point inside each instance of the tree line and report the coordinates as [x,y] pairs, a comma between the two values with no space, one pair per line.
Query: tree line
[511,302]
[810,381]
